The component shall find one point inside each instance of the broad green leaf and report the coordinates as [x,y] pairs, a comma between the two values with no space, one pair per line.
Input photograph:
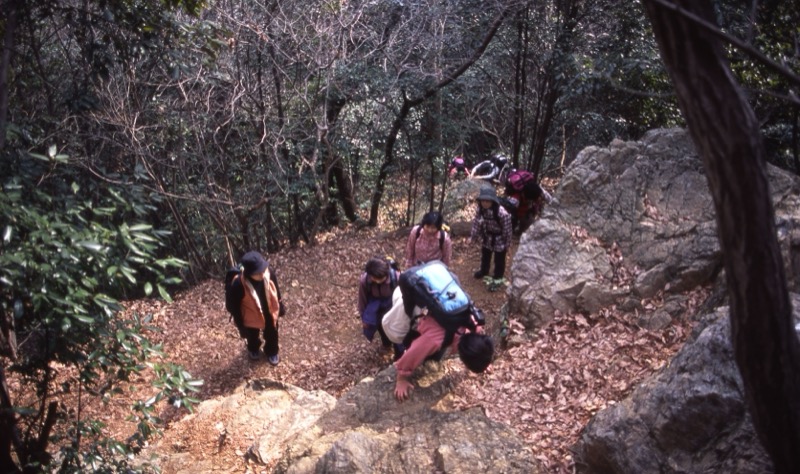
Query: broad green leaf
[164,294]
[140,227]
[93,246]
[128,273]
[83,318]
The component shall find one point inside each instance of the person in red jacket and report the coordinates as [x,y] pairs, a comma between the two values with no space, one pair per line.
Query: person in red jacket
[429,340]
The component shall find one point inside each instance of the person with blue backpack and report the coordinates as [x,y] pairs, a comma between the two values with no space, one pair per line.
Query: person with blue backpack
[375,287]
[449,320]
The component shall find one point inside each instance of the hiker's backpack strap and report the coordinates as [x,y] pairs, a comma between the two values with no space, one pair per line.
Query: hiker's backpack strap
[441,237]
[233,306]
[496,211]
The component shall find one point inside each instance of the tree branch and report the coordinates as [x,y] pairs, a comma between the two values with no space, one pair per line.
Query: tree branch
[747,48]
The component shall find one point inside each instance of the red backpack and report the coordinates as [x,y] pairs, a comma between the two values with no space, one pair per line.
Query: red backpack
[516,181]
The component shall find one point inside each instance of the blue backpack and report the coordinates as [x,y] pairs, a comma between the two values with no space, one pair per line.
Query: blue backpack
[438,290]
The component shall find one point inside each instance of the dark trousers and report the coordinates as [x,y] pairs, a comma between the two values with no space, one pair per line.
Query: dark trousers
[384,340]
[499,262]
[270,338]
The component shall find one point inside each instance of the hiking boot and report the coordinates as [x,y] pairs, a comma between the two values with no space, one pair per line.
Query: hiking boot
[479,274]
[274,359]
[254,355]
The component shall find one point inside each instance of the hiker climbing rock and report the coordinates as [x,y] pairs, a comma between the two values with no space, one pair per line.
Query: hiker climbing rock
[449,320]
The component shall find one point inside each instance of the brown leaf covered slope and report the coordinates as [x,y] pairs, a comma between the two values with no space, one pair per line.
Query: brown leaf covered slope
[546,389]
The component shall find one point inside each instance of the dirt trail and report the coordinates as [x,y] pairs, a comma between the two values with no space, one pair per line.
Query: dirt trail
[546,389]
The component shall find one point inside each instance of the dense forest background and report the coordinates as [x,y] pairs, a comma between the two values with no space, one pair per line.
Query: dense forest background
[147,143]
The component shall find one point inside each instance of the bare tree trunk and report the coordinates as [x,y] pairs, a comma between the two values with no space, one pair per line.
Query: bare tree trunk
[409,104]
[5,64]
[443,193]
[570,13]
[725,131]
[432,136]
[8,428]
[343,183]
[520,81]
[795,140]
[542,130]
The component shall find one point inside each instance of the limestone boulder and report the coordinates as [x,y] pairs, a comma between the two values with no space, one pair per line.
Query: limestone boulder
[649,201]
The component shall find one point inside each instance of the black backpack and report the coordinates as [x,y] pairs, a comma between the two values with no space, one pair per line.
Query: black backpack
[229,276]
[509,205]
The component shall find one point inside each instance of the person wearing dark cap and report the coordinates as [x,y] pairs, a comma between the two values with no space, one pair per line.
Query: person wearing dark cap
[492,228]
[255,300]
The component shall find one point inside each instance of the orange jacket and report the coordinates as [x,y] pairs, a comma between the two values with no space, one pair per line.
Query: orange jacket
[252,315]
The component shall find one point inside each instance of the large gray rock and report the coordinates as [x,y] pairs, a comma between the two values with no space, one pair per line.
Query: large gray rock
[689,418]
[366,431]
[649,198]
[369,431]
[272,413]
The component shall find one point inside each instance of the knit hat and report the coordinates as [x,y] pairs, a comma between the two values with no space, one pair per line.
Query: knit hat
[487,194]
[254,263]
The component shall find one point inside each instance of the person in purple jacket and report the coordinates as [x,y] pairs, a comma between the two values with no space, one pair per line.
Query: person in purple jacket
[375,287]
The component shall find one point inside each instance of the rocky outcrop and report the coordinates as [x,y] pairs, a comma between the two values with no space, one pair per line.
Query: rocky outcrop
[630,221]
[648,199]
[689,418]
[366,431]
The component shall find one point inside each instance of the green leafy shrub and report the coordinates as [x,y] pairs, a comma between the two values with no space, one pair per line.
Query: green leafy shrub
[71,249]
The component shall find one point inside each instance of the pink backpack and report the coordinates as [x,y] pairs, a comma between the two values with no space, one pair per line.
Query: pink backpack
[517,180]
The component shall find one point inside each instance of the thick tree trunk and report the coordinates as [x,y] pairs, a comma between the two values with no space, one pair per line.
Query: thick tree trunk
[725,131]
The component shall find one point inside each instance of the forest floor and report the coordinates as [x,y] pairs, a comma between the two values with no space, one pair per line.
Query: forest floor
[546,388]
